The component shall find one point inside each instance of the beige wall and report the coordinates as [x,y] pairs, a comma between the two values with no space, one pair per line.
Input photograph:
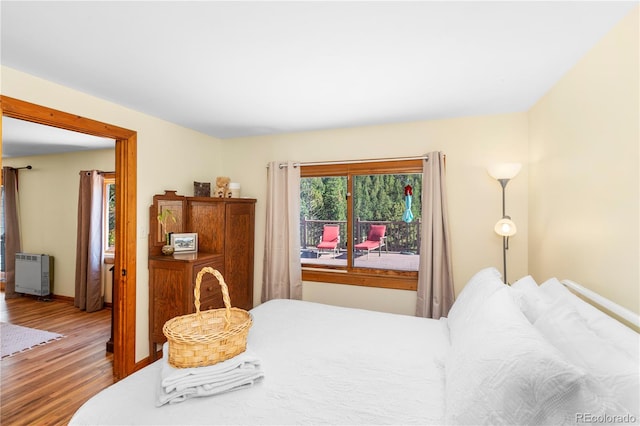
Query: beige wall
[471,144]
[169,157]
[584,182]
[48,207]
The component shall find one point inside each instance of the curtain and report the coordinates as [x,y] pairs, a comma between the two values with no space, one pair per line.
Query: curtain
[11,229]
[282,275]
[435,273]
[88,288]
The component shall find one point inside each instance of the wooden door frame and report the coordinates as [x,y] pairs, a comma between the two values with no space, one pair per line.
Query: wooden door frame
[124,286]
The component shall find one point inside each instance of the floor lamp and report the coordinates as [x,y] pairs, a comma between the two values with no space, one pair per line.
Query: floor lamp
[505,227]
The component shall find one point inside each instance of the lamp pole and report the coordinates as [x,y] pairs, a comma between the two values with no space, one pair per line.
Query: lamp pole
[505,239]
[505,227]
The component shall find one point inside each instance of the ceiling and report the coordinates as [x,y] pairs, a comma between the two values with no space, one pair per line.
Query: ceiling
[231,69]
[22,138]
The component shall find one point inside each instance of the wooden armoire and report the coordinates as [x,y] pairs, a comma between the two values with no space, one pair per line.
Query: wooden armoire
[225,228]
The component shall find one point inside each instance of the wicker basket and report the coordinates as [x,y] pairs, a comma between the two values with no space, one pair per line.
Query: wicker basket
[208,337]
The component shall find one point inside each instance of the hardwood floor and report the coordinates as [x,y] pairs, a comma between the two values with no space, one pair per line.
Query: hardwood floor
[47,384]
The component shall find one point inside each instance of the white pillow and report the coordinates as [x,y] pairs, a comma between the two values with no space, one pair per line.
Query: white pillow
[615,370]
[608,328]
[482,285]
[526,283]
[553,290]
[502,371]
[529,298]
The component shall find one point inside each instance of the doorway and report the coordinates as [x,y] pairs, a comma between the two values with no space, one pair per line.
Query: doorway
[124,286]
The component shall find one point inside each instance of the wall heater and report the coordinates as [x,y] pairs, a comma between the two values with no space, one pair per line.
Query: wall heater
[34,274]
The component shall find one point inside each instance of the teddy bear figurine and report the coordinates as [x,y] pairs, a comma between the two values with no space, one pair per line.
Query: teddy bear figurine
[222,187]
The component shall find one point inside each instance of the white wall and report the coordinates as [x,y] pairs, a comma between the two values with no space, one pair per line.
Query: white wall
[584,181]
[169,157]
[475,205]
[48,207]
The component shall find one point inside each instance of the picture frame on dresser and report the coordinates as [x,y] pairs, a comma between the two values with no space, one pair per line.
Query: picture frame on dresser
[185,242]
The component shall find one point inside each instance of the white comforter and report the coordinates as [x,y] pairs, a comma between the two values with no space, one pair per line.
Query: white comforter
[322,364]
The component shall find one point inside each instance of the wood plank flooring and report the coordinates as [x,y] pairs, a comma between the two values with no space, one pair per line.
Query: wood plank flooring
[47,384]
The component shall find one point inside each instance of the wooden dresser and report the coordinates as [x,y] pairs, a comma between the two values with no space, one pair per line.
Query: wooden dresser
[225,228]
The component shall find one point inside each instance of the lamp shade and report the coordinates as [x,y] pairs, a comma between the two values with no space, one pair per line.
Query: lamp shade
[505,227]
[504,170]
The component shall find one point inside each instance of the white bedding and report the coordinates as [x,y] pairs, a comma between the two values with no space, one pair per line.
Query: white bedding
[503,356]
[322,365]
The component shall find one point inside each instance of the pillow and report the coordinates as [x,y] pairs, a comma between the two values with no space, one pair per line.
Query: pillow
[608,328]
[528,297]
[482,285]
[504,372]
[553,290]
[526,284]
[615,370]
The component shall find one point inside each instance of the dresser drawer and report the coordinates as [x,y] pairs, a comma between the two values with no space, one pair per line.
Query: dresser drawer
[210,295]
[210,290]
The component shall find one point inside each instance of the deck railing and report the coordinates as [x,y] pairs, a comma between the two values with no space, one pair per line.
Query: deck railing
[401,236]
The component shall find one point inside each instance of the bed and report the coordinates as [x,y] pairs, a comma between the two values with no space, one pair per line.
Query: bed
[520,354]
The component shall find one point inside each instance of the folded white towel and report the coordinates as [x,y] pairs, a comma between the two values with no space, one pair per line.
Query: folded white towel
[204,390]
[179,384]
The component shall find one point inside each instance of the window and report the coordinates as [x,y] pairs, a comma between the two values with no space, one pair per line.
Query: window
[109,213]
[352,227]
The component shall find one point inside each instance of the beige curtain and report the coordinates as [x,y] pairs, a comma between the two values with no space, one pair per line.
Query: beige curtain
[88,289]
[435,275]
[282,275]
[11,229]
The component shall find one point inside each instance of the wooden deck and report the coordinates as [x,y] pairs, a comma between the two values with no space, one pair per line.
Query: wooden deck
[385,260]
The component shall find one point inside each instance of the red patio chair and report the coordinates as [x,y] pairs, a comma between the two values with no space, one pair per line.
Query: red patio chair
[330,240]
[375,240]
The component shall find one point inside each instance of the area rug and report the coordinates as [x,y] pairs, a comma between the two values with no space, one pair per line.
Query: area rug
[15,338]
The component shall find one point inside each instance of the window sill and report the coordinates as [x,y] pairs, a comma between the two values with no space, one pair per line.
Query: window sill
[398,281]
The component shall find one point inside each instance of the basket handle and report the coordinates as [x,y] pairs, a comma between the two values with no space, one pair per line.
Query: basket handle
[225,293]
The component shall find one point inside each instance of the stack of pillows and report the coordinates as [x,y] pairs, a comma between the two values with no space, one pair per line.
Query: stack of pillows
[529,354]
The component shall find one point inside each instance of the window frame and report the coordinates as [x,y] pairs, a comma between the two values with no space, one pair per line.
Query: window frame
[108,179]
[350,275]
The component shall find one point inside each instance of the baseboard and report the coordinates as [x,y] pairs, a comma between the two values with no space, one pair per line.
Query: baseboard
[143,363]
[48,297]
[71,300]
[57,297]
[67,299]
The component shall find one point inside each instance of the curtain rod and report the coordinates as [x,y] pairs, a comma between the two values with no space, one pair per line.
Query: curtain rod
[25,167]
[100,172]
[370,160]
